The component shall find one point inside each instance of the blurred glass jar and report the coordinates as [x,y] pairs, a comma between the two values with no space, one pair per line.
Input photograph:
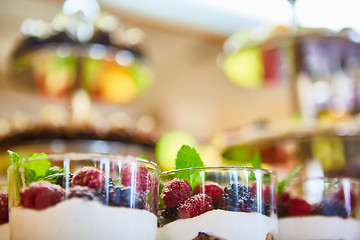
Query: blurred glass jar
[325,208]
[77,196]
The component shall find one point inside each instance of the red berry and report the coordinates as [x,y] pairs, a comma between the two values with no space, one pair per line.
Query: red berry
[284,197]
[176,192]
[212,189]
[136,175]
[89,177]
[340,196]
[195,205]
[4,208]
[41,195]
[265,191]
[298,207]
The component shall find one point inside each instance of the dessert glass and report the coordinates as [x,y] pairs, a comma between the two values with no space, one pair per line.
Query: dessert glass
[221,202]
[325,208]
[4,218]
[83,196]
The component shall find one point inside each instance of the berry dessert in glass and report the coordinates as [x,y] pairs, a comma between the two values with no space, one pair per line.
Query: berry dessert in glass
[83,196]
[4,212]
[320,208]
[217,203]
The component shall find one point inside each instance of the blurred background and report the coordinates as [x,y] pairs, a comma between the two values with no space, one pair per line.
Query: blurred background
[141,78]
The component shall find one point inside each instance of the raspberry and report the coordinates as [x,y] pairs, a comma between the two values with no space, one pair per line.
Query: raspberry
[211,189]
[195,205]
[41,195]
[176,192]
[139,175]
[284,197]
[89,177]
[4,208]
[265,192]
[125,197]
[298,207]
[340,196]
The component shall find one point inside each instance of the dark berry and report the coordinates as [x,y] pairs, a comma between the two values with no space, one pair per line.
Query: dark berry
[176,192]
[351,197]
[240,198]
[41,195]
[125,197]
[89,177]
[214,190]
[4,208]
[65,181]
[330,208]
[281,209]
[168,215]
[83,192]
[298,207]
[136,175]
[206,236]
[195,205]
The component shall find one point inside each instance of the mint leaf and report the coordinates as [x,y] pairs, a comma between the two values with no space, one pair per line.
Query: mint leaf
[14,157]
[256,160]
[187,157]
[35,170]
[255,163]
[282,184]
[54,174]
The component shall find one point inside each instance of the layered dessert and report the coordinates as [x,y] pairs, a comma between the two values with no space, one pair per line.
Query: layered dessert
[4,216]
[332,218]
[210,209]
[87,204]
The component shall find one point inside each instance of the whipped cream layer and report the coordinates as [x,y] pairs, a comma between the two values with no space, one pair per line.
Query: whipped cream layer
[4,231]
[318,228]
[225,224]
[76,219]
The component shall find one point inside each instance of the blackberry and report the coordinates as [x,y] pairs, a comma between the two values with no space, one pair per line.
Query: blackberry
[168,215]
[330,208]
[62,180]
[240,198]
[83,192]
[125,197]
[281,210]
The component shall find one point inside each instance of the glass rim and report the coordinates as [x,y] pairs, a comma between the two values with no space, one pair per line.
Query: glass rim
[327,179]
[80,156]
[222,167]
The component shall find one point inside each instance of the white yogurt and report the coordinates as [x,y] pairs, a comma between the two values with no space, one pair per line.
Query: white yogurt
[225,224]
[318,228]
[4,231]
[76,219]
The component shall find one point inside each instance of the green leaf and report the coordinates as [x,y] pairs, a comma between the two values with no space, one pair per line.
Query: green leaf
[255,163]
[282,184]
[256,160]
[187,157]
[54,174]
[14,157]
